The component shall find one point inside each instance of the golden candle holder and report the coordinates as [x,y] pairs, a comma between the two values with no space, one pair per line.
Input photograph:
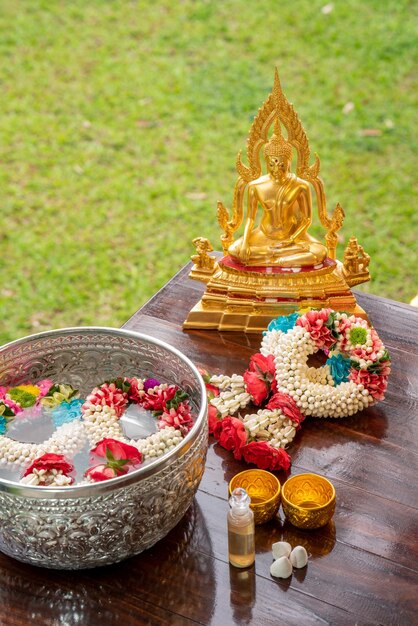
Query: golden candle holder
[308,501]
[264,491]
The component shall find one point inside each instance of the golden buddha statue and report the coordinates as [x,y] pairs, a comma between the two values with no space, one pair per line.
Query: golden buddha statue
[282,238]
[275,267]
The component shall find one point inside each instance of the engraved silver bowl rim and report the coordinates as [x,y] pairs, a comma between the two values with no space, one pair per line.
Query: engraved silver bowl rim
[107,486]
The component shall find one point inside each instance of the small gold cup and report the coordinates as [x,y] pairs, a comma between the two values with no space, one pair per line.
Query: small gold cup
[264,491]
[308,500]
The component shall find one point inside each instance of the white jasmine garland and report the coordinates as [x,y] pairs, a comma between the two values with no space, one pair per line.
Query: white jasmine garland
[67,440]
[101,422]
[232,396]
[313,389]
[354,377]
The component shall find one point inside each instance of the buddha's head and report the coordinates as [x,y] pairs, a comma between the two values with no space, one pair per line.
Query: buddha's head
[278,154]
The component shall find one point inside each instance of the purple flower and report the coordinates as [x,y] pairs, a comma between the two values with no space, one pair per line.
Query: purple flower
[150,383]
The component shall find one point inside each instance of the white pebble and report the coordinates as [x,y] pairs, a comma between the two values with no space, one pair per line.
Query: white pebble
[298,557]
[281,548]
[281,568]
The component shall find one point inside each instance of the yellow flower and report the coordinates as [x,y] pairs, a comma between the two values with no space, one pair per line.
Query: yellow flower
[32,389]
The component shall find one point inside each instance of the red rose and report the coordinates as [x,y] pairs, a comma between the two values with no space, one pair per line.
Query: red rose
[287,405]
[231,434]
[315,323]
[118,450]
[214,417]
[103,472]
[257,387]
[218,429]
[260,378]
[264,456]
[119,457]
[51,461]
[262,364]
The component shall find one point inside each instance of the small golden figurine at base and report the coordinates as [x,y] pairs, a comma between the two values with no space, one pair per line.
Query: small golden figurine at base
[204,264]
[355,263]
[276,267]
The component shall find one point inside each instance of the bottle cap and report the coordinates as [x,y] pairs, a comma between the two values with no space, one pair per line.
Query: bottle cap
[239,501]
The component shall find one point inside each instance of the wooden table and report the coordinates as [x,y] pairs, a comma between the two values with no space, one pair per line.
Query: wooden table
[363,568]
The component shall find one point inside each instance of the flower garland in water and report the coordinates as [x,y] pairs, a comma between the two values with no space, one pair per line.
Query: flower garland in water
[96,421]
[280,381]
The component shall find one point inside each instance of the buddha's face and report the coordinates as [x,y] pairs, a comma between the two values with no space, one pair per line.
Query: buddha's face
[278,167]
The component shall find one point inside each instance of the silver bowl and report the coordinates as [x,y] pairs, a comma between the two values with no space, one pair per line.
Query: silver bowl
[86,526]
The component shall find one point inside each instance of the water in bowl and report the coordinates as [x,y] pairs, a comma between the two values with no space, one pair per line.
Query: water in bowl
[37,424]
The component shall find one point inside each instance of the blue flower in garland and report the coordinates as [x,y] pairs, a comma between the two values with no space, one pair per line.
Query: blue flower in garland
[339,367]
[283,322]
[67,412]
[3,425]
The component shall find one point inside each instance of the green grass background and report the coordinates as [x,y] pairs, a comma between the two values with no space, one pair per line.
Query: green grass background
[120,122]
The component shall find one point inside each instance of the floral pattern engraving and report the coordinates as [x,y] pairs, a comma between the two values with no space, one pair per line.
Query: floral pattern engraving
[91,531]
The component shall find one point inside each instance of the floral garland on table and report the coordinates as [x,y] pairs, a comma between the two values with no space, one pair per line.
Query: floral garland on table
[96,421]
[280,381]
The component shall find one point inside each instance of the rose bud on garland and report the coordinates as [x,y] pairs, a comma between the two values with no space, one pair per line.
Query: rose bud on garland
[260,378]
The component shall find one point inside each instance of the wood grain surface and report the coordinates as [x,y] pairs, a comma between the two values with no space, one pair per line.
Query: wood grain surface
[363,566]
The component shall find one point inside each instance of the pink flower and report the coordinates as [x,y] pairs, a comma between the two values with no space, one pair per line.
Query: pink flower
[384,368]
[264,456]
[260,378]
[49,462]
[108,395]
[288,407]
[102,472]
[231,434]
[344,324]
[180,418]
[44,386]
[314,322]
[156,400]
[11,404]
[375,383]
[213,418]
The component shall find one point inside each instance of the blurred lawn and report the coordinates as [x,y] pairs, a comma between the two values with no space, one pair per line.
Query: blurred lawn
[120,122]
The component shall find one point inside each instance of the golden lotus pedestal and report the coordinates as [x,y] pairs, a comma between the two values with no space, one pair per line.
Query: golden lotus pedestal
[246,298]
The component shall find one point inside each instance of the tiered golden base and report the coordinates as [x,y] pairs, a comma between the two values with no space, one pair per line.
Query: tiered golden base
[244,299]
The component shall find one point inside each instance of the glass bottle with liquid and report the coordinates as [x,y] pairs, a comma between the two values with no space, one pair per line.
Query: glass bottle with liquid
[240,529]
